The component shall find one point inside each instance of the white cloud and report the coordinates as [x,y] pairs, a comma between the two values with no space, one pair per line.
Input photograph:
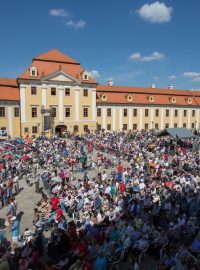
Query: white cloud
[156,12]
[172,77]
[135,56]
[59,12]
[95,74]
[191,74]
[155,56]
[196,79]
[78,25]
[194,76]
[156,78]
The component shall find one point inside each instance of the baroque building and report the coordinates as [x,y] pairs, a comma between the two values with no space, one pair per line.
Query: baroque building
[56,85]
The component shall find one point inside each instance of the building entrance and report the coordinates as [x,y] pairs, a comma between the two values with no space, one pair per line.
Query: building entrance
[61,130]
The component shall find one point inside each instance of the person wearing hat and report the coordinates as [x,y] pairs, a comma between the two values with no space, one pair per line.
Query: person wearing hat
[15,231]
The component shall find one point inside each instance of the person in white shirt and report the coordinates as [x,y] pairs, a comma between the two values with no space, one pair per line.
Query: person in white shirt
[104,176]
[16,183]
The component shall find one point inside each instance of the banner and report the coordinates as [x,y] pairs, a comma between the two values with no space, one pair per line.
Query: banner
[47,122]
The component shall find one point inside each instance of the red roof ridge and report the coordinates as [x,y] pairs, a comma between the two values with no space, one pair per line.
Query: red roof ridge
[146,90]
[56,56]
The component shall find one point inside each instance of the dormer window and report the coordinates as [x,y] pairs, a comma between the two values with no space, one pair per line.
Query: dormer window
[129,98]
[173,100]
[151,99]
[104,97]
[189,100]
[33,72]
[85,76]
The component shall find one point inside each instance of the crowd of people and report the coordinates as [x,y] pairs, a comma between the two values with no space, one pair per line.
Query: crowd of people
[108,200]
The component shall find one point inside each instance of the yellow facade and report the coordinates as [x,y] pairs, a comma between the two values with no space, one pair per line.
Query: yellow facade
[62,100]
[10,119]
[147,117]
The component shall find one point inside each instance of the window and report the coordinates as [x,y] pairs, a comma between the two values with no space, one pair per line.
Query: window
[2,112]
[85,128]
[33,90]
[98,112]
[85,77]
[109,127]
[146,112]
[53,91]
[75,128]
[67,112]
[146,126]
[67,91]
[26,130]
[34,112]
[98,127]
[175,125]
[151,99]
[166,125]
[85,112]
[193,126]
[156,112]
[184,125]
[193,113]
[167,113]
[125,112]
[134,126]
[34,130]
[16,112]
[175,113]
[134,112]
[184,113]
[156,126]
[108,112]
[125,127]
[85,92]
[53,112]
[33,73]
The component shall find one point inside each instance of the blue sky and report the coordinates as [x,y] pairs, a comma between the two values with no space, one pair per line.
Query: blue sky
[135,42]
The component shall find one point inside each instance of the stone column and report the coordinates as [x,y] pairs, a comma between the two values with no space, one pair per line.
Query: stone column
[94,105]
[60,101]
[10,120]
[23,102]
[77,94]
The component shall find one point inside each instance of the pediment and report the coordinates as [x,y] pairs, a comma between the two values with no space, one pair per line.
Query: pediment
[60,76]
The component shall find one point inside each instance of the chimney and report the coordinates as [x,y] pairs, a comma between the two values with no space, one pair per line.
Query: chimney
[110,82]
[152,85]
[170,86]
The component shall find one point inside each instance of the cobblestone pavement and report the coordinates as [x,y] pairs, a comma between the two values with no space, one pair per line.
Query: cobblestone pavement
[26,202]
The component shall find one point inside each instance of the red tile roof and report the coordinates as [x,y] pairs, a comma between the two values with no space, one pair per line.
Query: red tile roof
[52,61]
[56,56]
[118,95]
[9,89]
[8,82]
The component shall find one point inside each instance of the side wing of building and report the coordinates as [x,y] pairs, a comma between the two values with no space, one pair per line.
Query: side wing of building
[137,108]
[9,108]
